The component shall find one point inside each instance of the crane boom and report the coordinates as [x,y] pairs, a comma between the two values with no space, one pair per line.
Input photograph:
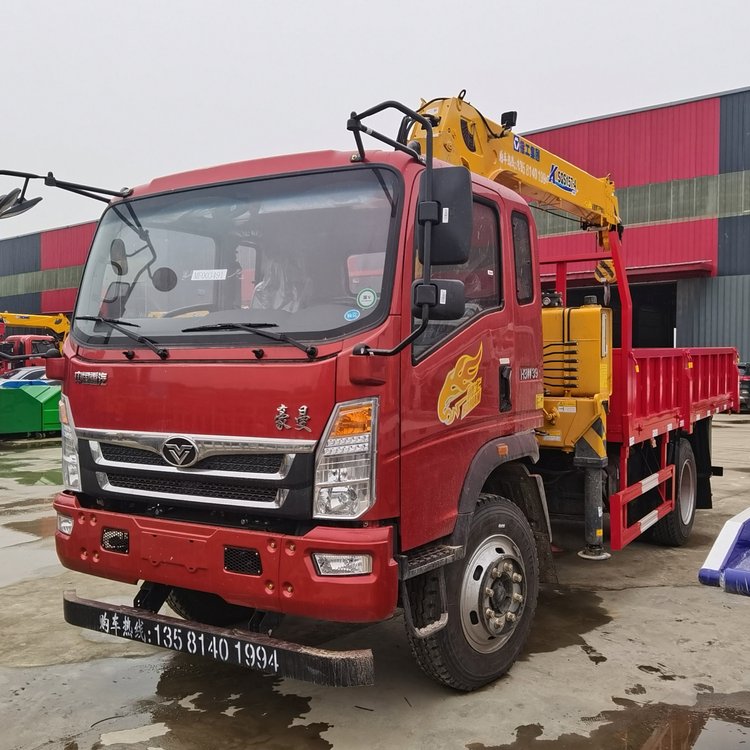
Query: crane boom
[463,136]
[59,324]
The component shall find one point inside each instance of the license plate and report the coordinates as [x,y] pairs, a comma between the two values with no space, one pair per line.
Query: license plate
[254,651]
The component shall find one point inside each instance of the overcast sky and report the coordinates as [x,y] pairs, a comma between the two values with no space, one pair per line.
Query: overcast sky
[113,94]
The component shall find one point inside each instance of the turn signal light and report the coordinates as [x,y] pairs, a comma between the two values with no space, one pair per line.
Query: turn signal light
[353,420]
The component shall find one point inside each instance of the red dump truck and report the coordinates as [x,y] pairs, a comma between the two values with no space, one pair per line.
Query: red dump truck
[333,384]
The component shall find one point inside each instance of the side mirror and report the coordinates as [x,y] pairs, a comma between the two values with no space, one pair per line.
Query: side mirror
[55,367]
[445,297]
[118,257]
[451,237]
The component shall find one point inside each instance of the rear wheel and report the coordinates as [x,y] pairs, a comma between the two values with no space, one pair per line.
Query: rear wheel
[674,529]
[491,596]
[209,609]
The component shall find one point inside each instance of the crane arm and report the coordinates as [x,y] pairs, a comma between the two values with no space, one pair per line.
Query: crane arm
[59,324]
[463,136]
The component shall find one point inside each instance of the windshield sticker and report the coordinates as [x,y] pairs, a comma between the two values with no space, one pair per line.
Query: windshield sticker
[211,274]
[351,315]
[366,298]
[462,389]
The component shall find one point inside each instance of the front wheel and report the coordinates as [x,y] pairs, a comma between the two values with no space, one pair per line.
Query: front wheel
[491,595]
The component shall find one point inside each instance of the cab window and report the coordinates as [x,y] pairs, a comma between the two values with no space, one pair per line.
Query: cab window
[480,275]
[522,256]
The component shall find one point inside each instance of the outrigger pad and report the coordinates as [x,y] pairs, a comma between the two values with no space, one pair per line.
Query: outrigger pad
[728,562]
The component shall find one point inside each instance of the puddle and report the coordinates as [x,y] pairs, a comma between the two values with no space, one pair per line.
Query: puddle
[244,710]
[48,478]
[170,703]
[562,617]
[44,527]
[716,722]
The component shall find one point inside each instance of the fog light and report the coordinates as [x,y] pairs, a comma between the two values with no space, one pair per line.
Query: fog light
[64,524]
[342,565]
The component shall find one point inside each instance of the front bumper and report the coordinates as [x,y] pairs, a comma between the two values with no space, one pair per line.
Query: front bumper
[192,556]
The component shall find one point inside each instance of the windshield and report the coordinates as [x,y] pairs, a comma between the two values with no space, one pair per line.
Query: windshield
[308,255]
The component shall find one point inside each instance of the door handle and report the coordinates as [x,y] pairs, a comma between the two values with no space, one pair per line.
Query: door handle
[505,395]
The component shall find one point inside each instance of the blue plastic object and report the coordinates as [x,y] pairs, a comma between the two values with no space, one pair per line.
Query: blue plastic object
[728,562]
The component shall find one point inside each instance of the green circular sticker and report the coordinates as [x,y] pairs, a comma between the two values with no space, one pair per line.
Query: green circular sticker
[366,298]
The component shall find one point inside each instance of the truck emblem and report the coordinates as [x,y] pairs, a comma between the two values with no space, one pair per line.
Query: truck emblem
[91,378]
[462,389]
[179,451]
[282,418]
[302,419]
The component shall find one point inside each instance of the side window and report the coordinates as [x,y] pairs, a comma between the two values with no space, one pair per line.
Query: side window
[522,255]
[480,275]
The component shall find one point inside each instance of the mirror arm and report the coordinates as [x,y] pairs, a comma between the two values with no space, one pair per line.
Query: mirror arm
[363,350]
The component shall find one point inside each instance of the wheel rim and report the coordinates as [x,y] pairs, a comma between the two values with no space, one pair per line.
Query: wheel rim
[493,594]
[687,492]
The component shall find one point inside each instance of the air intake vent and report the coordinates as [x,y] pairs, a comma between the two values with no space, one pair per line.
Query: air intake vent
[241,560]
[116,540]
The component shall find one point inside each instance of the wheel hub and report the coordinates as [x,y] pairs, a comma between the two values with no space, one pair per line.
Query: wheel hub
[493,594]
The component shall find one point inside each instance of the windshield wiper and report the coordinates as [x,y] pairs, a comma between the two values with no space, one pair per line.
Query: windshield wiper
[119,325]
[311,351]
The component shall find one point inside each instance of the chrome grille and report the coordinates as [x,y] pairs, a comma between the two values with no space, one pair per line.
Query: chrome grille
[251,463]
[228,471]
[192,487]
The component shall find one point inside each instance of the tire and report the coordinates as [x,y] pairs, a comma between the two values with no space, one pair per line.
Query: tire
[209,609]
[674,529]
[475,648]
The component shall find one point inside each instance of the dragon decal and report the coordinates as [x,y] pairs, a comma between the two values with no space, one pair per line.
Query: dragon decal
[462,389]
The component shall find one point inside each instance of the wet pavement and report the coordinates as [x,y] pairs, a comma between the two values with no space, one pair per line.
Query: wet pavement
[630,653]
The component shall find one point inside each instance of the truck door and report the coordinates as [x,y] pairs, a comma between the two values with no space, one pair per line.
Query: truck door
[523,295]
[452,396]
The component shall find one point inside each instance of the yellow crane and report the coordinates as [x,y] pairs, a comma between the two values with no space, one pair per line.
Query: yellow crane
[58,324]
[462,135]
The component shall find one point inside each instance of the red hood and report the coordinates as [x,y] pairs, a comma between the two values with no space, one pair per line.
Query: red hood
[204,398]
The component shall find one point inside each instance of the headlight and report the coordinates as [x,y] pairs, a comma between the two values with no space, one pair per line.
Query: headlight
[70,465]
[345,464]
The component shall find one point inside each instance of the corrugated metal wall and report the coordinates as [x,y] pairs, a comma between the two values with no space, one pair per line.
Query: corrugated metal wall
[714,312]
[734,246]
[58,300]
[667,249]
[67,246]
[735,132]
[20,255]
[21,303]
[656,145]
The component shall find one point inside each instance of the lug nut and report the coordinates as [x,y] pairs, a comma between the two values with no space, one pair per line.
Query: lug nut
[517,578]
[499,622]
[495,572]
[510,617]
[488,591]
[489,613]
[517,598]
[508,567]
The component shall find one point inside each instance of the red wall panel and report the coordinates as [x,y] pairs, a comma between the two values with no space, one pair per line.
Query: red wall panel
[58,300]
[67,246]
[684,248]
[656,145]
